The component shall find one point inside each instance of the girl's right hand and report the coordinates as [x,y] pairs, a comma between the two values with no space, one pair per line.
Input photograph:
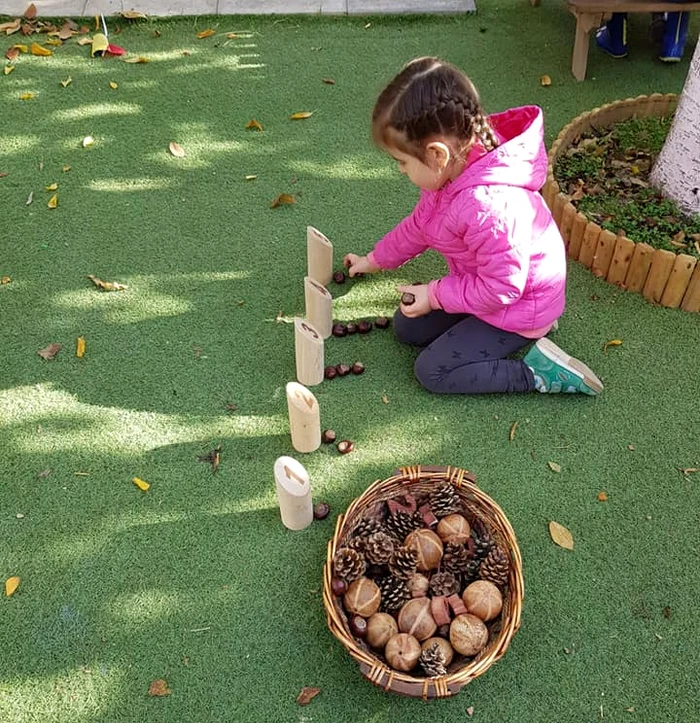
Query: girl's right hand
[359,265]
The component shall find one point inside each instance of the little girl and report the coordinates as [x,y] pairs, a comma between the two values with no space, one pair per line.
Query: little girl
[480,208]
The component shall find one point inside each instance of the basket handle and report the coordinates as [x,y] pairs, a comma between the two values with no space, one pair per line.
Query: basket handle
[456,475]
[426,689]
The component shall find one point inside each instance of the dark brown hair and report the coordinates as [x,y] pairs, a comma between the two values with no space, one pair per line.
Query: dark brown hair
[430,98]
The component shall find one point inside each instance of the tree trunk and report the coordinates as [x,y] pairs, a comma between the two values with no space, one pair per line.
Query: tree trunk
[677,170]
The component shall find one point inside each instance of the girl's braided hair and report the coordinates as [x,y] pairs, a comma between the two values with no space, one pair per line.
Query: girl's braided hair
[430,98]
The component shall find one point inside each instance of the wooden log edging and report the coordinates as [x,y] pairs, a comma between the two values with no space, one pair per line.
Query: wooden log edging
[671,280]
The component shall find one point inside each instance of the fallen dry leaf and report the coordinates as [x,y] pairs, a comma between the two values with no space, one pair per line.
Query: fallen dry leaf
[177,150]
[301,115]
[141,484]
[12,53]
[80,347]
[511,434]
[87,142]
[545,80]
[283,198]
[470,711]
[10,27]
[602,496]
[65,169]
[612,342]
[53,201]
[5,280]
[137,59]
[254,125]
[328,81]
[43,474]
[50,351]
[554,466]
[134,15]
[213,457]
[107,285]
[385,399]
[85,41]
[688,470]
[27,96]
[8,69]
[54,42]
[30,12]
[206,33]
[52,187]
[113,85]
[158,688]
[36,49]
[561,535]
[307,695]
[251,177]
[30,198]
[11,585]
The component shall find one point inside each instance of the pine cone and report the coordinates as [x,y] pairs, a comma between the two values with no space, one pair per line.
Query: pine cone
[379,548]
[432,660]
[402,563]
[455,559]
[483,542]
[357,543]
[402,524]
[366,526]
[444,583]
[495,567]
[394,593]
[348,564]
[471,572]
[444,500]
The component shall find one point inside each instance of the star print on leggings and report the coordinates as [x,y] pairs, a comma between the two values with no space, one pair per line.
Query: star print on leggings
[456,354]
[485,353]
[502,340]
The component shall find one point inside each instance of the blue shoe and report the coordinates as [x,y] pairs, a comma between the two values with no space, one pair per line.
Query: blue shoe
[555,371]
[612,37]
[675,35]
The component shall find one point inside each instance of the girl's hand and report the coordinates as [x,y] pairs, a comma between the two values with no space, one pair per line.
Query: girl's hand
[359,265]
[421,306]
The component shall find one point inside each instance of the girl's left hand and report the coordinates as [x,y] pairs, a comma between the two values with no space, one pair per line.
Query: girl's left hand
[421,306]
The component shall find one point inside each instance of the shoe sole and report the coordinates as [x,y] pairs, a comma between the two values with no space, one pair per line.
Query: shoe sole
[558,355]
[670,60]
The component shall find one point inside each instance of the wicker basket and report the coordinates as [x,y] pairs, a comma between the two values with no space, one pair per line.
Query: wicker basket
[420,481]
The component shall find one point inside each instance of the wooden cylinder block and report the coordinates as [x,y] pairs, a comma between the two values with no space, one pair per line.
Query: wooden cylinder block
[319,253]
[550,190]
[677,283]
[589,244]
[567,221]
[624,248]
[319,306]
[639,267]
[308,344]
[603,253]
[661,265]
[304,418]
[577,231]
[560,200]
[691,298]
[293,493]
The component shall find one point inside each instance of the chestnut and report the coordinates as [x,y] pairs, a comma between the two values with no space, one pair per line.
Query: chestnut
[328,436]
[345,446]
[407,299]
[342,370]
[339,277]
[339,329]
[330,372]
[351,327]
[358,626]
[382,322]
[364,327]
[338,586]
[358,368]
[321,510]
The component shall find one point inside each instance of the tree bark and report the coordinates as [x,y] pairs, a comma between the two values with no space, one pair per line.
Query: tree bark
[677,169]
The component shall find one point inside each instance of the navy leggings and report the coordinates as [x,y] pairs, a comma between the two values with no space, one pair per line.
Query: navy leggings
[464,355]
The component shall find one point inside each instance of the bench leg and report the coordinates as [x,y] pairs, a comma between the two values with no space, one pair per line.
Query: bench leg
[585,22]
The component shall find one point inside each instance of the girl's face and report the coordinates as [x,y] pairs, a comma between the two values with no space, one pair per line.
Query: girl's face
[428,177]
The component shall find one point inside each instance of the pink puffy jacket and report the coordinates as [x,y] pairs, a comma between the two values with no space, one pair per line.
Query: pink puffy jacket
[506,258]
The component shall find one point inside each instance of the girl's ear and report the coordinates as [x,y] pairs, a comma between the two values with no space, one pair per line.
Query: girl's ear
[438,155]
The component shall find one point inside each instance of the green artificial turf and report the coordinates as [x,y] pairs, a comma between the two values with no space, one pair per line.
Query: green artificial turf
[196,581]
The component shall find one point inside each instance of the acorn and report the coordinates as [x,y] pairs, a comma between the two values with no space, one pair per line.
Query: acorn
[339,329]
[321,510]
[358,368]
[382,322]
[330,372]
[328,436]
[345,446]
[364,327]
[339,277]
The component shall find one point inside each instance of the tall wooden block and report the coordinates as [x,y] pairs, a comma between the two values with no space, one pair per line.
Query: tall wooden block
[622,256]
[589,244]
[319,306]
[577,231]
[691,298]
[639,267]
[567,221]
[677,283]
[560,200]
[293,493]
[319,254]
[661,265]
[308,344]
[304,418]
[603,253]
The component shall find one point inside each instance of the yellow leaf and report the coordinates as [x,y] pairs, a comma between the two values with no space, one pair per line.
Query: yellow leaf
[5,280]
[250,178]
[80,347]
[137,59]
[88,141]
[545,80]
[554,466]
[206,33]
[65,169]
[11,585]
[141,484]
[283,198]
[85,41]
[8,69]
[254,125]
[107,285]
[158,688]
[21,48]
[561,535]
[233,36]
[52,187]
[385,399]
[65,83]
[36,49]
[53,201]
[113,85]
[612,342]
[301,115]
[54,42]
[511,435]
[602,496]
[27,96]
[177,150]
[134,15]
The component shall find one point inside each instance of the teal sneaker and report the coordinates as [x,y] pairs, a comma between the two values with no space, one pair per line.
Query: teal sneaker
[555,371]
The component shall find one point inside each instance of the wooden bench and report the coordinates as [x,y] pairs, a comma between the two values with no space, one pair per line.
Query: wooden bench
[590,14]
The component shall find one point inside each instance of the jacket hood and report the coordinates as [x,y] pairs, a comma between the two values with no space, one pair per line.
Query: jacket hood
[521,157]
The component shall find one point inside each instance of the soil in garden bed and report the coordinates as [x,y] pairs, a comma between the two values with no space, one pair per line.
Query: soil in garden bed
[606,174]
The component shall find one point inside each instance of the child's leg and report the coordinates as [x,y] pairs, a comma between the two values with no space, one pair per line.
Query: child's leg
[469,358]
[424,329]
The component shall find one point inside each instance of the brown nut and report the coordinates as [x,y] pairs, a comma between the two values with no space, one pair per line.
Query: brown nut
[407,299]
[328,436]
[342,370]
[358,368]
[330,372]
[321,510]
[345,446]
